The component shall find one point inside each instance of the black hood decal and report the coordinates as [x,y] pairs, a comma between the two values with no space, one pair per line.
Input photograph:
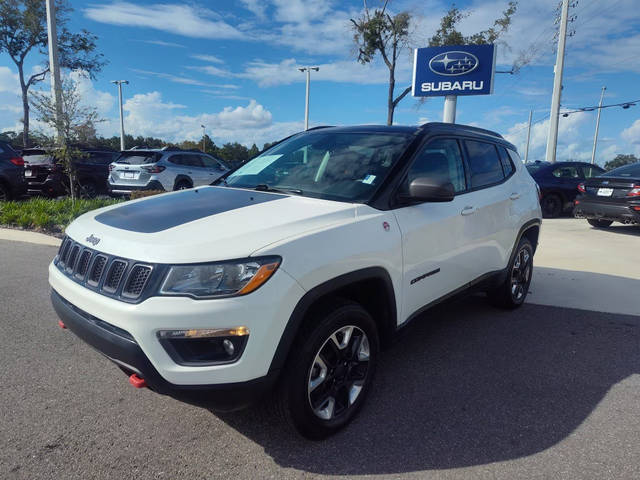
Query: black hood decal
[168,211]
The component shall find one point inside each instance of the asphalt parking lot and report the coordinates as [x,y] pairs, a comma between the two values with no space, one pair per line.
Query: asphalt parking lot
[469,392]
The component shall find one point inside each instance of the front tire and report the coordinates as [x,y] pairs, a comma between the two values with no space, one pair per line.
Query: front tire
[513,291]
[330,370]
[599,223]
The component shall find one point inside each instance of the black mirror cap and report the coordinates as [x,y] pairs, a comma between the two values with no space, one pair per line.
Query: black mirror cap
[427,189]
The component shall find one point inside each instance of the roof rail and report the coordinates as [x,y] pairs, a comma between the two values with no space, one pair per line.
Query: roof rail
[462,127]
[319,127]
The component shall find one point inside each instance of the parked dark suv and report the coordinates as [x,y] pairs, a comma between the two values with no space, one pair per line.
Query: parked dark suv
[12,183]
[559,182]
[45,176]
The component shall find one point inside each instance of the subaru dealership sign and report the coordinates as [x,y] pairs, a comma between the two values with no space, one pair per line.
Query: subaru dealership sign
[453,70]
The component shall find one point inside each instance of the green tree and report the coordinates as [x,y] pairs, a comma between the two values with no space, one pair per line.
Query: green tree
[253,152]
[76,125]
[376,32]
[448,34]
[23,30]
[620,160]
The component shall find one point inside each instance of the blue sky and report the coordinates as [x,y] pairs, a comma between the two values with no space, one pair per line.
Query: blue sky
[232,66]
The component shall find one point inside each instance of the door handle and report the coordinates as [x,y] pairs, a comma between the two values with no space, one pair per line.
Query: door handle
[468,210]
[514,196]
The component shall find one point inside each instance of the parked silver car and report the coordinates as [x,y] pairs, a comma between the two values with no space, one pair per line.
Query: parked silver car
[163,169]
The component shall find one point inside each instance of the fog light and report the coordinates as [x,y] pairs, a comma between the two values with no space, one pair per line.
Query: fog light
[201,347]
[228,347]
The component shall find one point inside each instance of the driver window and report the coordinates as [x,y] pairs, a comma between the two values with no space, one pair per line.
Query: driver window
[440,160]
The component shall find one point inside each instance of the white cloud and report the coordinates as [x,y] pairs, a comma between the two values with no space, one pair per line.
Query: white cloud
[213,71]
[172,78]
[9,81]
[257,7]
[187,20]
[162,43]
[342,71]
[207,58]
[301,11]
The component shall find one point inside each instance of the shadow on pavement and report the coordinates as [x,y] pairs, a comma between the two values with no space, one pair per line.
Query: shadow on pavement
[468,385]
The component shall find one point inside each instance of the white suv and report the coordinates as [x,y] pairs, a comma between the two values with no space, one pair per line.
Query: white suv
[291,273]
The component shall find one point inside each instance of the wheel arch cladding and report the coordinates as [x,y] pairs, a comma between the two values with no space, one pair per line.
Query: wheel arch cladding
[370,287]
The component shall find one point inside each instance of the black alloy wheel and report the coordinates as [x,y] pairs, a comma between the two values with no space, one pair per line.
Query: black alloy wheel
[338,372]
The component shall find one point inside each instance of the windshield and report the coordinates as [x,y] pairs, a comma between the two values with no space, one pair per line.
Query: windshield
[334,166]
[137,158]
[632,170]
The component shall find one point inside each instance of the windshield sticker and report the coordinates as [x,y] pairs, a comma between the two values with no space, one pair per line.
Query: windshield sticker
[369,179]
[256,165]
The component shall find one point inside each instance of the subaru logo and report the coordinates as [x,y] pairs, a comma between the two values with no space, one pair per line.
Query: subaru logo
[93,240]
[453,63]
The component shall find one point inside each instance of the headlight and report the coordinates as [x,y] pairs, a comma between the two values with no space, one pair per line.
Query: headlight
[223,279]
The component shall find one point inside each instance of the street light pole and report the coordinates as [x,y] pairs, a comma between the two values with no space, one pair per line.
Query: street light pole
[595,135]
[526,151]
[203,134]
[552,140]
[54,68]
[306,103]
[119,83]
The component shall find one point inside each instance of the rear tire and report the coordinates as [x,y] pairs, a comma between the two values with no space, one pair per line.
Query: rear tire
[599,223]
[551,205]
[330,370]
[88,189]
[513,291]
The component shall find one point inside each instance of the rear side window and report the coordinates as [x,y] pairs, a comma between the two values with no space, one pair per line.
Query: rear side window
[439,160]
[484,164]
[192,160]
[507,164]
[566,172]
[591,171]
[176,159]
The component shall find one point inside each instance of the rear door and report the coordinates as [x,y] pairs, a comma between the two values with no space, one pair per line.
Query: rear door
[488,209]
[214,168]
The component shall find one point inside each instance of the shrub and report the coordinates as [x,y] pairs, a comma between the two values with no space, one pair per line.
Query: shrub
[50,215]
[145,193]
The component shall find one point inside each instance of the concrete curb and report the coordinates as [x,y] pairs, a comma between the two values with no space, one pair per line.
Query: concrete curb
[29,237]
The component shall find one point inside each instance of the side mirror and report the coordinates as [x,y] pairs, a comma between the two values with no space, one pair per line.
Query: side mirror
[427,189]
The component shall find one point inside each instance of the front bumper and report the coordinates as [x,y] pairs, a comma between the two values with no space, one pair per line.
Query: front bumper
[265,312]
[119,346]
[617,212]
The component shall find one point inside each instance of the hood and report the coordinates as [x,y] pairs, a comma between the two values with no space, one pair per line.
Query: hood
[203,224]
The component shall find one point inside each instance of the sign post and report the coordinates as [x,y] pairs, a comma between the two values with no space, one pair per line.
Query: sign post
[452,71]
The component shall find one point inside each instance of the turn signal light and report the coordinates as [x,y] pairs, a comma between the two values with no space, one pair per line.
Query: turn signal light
[581,188]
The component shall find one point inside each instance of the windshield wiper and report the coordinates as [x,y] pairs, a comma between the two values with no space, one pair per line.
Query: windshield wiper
[263,187]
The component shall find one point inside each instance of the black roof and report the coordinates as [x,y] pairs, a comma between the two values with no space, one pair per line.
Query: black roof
[448,127]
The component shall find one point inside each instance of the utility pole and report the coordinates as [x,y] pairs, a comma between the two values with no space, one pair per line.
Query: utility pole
[119,83]
[595,135]
[306,103]
[552,139]
[54,68]
[526,150]
[203,134]
[449,113]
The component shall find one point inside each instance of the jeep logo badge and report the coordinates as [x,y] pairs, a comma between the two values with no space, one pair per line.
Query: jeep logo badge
[93,240]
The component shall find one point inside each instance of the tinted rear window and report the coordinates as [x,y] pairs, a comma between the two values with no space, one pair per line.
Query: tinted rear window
[138,158]
[632,170]
[37,158]
[484,163]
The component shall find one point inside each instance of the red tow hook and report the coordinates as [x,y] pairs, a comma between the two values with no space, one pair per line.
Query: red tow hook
[137,382]
[61,324]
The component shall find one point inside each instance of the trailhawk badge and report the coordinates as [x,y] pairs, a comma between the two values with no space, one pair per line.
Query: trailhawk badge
[93,240]
[453,63]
